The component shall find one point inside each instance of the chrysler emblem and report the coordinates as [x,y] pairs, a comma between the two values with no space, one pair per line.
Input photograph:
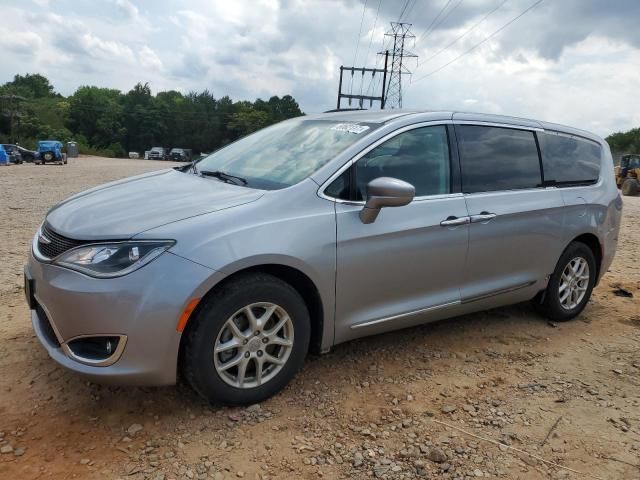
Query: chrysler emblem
[43,239]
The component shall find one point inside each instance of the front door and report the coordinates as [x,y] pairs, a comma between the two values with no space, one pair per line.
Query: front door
[406,267]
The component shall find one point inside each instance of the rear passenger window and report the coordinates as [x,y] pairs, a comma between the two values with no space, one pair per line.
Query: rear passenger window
[570,160]
[495,158]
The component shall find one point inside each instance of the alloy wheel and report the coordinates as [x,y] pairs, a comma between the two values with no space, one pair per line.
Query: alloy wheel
[253,345]
[574,282]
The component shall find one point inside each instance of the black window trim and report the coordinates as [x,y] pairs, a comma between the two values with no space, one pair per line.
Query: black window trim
[533,130]
[572,183]
[350,164]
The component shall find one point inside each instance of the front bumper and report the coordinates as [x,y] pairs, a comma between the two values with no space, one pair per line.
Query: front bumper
[143,308]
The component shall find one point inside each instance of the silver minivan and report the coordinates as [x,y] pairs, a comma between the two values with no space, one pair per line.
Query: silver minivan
[316,231]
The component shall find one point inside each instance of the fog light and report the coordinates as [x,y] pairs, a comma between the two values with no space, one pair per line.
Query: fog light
[99,350]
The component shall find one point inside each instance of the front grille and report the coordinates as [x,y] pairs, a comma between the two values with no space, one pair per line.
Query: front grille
[58,244]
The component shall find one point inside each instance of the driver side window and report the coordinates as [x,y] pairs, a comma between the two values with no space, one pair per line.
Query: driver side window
[419,156]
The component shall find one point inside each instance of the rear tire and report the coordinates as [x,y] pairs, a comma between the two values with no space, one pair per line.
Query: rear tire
[570,285]
[230,374]
[630,187]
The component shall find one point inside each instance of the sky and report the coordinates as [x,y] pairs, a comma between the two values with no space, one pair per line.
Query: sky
[575,62]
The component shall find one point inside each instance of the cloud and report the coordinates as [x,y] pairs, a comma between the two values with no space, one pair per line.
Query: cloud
[127,8]
[21,43]
[149,59]
[569,61]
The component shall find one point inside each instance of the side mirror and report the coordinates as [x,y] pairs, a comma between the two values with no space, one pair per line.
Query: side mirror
[385,192]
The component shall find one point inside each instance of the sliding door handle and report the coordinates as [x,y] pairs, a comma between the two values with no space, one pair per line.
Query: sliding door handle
[483,217]
[454,221]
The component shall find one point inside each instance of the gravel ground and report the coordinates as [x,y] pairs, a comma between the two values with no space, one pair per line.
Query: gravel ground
[497,394]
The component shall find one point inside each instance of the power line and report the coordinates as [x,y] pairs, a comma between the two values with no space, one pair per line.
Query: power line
[380,57]
[435,19]
[372,32]
[406,4]
[481,42]
[371,41]
[465,33]
[410,9]
[426,34]
[355,56]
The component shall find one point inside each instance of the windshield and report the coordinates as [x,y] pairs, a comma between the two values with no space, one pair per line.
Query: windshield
[285,153]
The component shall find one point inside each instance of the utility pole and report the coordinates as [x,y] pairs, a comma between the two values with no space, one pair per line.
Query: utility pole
[400,32]
[359,97]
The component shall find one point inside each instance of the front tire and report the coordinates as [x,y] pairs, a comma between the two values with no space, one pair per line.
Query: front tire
[630,187]
[247,341]
[571,284]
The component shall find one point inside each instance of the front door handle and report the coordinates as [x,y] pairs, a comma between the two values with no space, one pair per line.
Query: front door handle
[483,217]
[454,221]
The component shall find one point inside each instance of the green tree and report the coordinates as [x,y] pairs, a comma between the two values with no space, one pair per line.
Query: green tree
[625,142]
[107,121]
[31,85]
[96,113]
[247,119]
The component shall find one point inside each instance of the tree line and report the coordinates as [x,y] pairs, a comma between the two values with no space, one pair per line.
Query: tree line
[625,142]
[108,122]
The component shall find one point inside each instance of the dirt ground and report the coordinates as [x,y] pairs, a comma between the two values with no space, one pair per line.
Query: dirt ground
[464,398]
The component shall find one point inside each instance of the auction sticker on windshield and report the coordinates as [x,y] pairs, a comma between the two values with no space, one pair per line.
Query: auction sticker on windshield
[350,127]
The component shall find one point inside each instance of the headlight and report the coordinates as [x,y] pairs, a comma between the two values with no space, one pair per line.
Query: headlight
[107,260]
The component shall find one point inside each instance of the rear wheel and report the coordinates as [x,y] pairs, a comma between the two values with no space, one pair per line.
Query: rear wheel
[571,283]
[630,187]
[247,341]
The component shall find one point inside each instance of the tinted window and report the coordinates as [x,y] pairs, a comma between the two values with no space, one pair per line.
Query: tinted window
[496,158]
[340,187]
[570,160]
[419,156]
[632,163]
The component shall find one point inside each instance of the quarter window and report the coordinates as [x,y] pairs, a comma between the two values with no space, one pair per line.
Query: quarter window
[341,187]
[495,158]
[570,160]
[419,156]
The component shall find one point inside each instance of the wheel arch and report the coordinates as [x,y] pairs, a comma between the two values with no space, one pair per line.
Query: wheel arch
[591,241]
[299,280]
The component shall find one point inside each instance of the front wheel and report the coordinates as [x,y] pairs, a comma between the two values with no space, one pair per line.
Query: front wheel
[571,283]
[630,187]
[247,341]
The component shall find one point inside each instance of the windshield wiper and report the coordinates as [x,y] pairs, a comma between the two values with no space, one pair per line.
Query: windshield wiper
[225,177]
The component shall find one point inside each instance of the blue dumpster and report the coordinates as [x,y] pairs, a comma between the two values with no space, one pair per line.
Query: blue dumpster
[4,158]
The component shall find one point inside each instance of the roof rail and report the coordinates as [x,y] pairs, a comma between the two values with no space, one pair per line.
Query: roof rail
[344,110]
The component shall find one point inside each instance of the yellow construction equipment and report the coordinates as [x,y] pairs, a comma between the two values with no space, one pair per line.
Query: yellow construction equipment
[628,174]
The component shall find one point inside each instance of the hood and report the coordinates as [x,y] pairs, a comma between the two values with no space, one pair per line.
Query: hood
[122,209]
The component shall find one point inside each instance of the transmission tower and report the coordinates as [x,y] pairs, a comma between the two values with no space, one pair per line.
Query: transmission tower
[400,35]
